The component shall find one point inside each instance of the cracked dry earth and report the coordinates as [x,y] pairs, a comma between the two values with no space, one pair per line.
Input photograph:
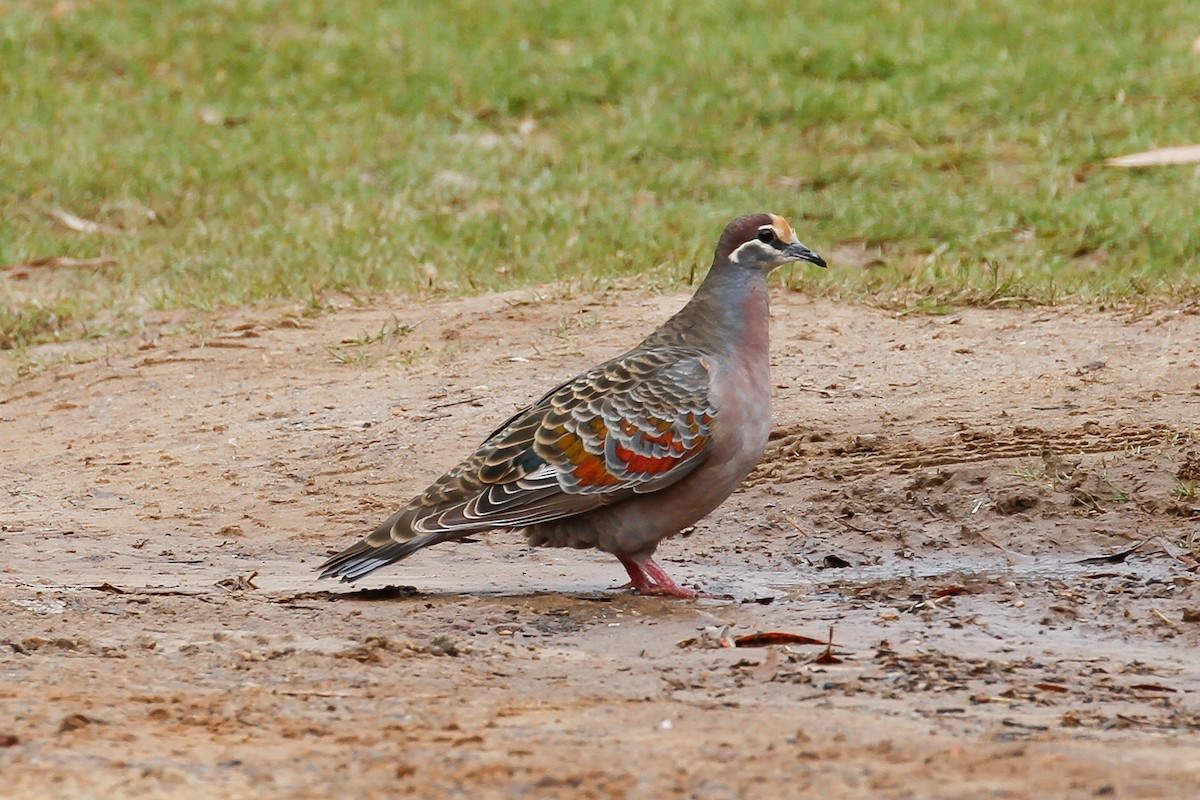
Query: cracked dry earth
[954,498]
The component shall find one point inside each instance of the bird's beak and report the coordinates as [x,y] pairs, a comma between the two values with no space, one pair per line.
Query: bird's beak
[798,251]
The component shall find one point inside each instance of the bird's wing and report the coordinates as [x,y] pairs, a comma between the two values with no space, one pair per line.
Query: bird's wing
[632,425]
[635,424]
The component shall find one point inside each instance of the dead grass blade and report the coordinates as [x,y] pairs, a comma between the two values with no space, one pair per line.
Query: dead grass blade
[1163,156]
[78,224]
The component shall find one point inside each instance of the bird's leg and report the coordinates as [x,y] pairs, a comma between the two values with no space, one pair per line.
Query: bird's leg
[638,580]
[663,583]
[647,577]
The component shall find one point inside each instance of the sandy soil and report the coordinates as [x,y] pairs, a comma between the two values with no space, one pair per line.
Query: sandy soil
[930,494]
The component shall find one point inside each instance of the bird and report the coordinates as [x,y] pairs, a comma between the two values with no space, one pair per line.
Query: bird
[630,452]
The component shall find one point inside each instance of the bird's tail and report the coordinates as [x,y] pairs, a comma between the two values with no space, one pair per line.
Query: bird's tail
[390,542]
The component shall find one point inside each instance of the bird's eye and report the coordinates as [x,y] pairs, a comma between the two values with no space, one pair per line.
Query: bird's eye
[766,235]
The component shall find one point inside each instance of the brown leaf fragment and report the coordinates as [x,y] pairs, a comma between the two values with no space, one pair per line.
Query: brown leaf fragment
[1152,687]
[770,638]
[8,740]
[950,591]
[1050,687]
[827,657]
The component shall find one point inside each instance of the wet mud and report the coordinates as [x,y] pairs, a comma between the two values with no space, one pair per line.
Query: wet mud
[980,532]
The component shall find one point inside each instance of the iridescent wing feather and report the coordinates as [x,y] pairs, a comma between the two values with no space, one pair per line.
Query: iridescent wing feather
[633,425]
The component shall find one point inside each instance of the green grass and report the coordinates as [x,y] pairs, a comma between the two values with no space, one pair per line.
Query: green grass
[242,152]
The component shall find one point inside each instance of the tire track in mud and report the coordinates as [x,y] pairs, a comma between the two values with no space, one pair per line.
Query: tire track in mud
[793,451]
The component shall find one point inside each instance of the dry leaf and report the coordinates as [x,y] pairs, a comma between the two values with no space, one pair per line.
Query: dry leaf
[827,657]
[1050,687]
[773,638]
[1163,156]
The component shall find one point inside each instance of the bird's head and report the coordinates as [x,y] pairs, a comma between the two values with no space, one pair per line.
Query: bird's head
[763,242]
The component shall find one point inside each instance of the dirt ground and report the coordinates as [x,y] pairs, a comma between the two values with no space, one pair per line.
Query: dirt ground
[931,495]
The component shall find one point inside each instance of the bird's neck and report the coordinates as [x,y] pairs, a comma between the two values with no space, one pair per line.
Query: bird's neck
[729,314]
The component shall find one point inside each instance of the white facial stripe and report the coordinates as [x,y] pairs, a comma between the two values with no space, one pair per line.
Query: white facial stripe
[752,250]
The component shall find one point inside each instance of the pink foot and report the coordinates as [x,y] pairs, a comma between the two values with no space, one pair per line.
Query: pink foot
[648,578]
[674,590]
[638,579]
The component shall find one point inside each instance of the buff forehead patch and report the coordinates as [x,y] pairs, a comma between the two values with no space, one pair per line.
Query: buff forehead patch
[783,228]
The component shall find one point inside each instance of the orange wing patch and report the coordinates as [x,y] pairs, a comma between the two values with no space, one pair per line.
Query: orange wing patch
[635,453]
[589,469]
[646,465]
[592,471]
[667,447]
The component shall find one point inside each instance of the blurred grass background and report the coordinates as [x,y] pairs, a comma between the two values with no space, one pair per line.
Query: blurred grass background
[247,151]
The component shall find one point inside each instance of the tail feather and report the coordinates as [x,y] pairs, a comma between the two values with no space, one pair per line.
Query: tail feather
[363,558]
